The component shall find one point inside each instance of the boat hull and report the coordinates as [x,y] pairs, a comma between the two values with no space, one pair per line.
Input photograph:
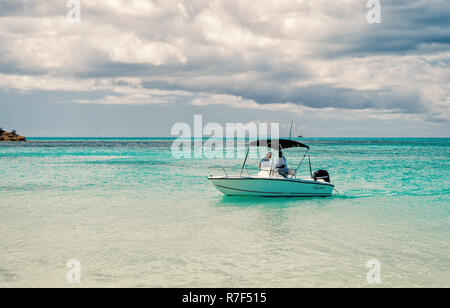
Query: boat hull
[270,187]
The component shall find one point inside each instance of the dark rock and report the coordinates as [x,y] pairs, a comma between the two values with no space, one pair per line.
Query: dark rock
[10,136]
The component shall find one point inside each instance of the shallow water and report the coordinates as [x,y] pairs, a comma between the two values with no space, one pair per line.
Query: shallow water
[133,216]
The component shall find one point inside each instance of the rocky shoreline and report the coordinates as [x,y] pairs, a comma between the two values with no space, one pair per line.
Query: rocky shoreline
[10,136]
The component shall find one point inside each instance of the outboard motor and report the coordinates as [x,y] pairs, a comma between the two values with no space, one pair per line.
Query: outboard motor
[321,175]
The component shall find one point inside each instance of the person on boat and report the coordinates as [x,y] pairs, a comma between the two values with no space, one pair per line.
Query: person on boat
[266,162]
[282,165]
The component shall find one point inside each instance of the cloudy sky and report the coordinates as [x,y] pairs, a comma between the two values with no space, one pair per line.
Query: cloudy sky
[136,67]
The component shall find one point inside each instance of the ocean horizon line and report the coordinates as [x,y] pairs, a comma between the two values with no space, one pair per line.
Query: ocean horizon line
[207,138]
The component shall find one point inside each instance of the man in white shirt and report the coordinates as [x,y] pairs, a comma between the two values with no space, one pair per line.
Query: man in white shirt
[282,165]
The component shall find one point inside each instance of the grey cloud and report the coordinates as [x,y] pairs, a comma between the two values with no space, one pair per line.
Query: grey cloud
[316,96]
[21,8]
[437,120]
[8,8]
[405,28]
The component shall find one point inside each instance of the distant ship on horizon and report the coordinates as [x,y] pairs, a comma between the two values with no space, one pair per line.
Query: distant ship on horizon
[290,132]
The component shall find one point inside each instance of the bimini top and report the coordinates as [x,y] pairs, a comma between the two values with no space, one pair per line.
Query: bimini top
[278,144]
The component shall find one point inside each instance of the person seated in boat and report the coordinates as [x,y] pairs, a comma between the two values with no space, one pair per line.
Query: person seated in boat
[282,165]
[266,162]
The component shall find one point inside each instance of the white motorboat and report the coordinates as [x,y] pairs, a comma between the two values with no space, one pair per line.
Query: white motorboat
[269,182]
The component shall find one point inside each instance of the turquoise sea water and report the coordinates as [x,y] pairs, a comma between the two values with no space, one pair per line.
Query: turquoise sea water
[135,217]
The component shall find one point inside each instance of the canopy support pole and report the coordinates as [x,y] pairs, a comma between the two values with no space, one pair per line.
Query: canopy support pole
[245,161]
[310,168]
[299,165]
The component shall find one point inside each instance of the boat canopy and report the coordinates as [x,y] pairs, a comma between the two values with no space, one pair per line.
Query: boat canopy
[278,144]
